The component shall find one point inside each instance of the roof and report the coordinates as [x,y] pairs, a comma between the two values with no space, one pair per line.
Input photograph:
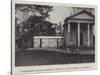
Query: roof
[84,11]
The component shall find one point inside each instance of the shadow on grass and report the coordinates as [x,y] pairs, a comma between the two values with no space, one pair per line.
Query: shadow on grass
[38,57]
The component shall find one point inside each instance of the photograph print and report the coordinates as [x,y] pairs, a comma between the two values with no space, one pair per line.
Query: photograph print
[52,34]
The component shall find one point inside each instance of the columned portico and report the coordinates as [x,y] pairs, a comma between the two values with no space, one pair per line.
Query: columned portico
[78,30]
[81,33]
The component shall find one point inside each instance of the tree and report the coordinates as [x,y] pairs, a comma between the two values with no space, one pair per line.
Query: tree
[78,9]
[31,20]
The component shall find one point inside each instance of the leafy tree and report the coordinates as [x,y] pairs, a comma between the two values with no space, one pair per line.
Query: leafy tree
[31,20]
[78,9]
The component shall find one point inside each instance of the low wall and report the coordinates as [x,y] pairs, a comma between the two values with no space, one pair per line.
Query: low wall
[47,41]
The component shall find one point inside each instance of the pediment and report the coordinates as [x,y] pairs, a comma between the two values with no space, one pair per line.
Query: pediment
[83,16]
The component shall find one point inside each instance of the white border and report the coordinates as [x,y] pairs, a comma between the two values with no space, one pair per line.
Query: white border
[49,68]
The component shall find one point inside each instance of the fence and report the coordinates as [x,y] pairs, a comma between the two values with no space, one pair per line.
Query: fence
[47,41]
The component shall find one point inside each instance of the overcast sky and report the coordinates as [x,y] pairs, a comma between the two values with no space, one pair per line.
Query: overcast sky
[59,13]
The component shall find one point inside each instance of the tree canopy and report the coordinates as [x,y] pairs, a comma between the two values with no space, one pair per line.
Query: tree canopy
[78,9]
[31,20]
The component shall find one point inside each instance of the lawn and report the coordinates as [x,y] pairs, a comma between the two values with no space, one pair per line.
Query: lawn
[44,57]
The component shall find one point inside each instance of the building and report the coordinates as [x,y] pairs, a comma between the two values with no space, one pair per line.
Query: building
[78,29]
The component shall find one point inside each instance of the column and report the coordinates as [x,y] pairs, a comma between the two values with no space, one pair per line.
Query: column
[65,35]
[68,33]
[78,34]
[88,34]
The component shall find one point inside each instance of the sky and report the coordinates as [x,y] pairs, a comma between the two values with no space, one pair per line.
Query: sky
[59,13]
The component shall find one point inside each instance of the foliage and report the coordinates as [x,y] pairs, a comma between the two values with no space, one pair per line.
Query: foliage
[78,9]
[31,20]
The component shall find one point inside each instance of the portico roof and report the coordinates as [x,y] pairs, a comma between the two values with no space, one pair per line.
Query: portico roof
[83,15]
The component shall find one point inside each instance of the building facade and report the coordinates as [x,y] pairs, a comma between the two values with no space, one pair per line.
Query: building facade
[79,29]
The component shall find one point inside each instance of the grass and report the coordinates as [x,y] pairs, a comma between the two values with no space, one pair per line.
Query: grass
[43,57]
